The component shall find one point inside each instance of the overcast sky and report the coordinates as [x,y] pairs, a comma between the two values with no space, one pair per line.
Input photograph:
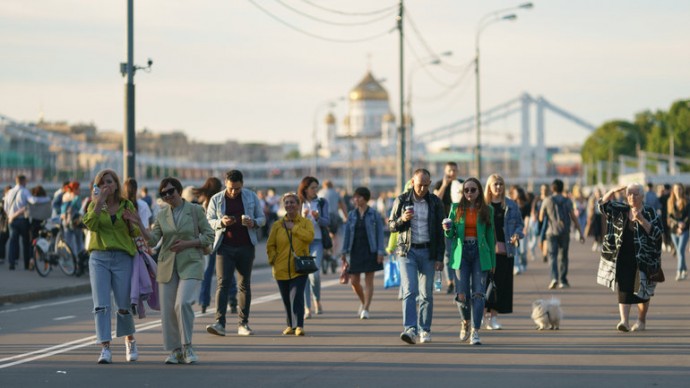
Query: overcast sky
[225,69]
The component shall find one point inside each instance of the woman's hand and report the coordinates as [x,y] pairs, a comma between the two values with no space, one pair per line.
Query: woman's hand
[132,217]
[514,239]
[379,259]
[181,245]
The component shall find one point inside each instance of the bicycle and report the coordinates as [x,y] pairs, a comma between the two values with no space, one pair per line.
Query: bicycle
[51,249]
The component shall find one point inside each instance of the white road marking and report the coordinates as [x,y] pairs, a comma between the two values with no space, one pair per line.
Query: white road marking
[90,341]
[38,306]
[64,318]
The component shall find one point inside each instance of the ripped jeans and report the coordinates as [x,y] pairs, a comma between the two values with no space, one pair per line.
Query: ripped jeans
[111,272]
[473,279]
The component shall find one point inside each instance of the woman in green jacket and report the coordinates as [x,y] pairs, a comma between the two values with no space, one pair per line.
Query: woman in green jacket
[471,227]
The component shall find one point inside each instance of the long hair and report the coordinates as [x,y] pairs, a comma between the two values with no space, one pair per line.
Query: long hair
[130,191]
[479,204]
[302,189]
[493,178]
[98,180]
[672,199]
[211,187]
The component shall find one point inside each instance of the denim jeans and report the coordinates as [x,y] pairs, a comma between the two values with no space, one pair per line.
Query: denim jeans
[314,284]
[111,272]
[227,260]
[417,277]
[472,285]
[520,259]
[558,254]
[292,291]
[74,239]
[205,291]
[19,229]
[680,241]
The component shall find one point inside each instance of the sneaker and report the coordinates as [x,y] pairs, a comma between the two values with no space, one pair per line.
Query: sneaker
[425,337]
[464,331]
[516,271]
[288,331]
[132,354]
[318,310]
[683,275]
[359,311]
[364,315]
[106,357]
[564,285]
[553,284]
[189,356]
[492,324]
[638,326]
[409,336]
[299,332]
[244,330]
[678,276]
[622,327]
[307,314]
[216,329]
[474,338]
[175,357]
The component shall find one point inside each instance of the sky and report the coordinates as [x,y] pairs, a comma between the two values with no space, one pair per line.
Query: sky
[234,69]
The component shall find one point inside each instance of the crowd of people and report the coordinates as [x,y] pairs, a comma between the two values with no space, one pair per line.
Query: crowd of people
[476,234]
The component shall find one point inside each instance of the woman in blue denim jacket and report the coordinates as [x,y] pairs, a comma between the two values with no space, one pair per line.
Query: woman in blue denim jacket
[509,231]
[363,241]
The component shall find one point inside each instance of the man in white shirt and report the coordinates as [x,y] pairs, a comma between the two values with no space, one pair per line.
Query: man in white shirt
[15,202]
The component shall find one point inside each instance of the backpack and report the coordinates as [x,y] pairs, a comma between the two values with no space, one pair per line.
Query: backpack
[559,216]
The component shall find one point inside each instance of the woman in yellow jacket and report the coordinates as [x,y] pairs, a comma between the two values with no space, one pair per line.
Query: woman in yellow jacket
[471,229]
[290,283]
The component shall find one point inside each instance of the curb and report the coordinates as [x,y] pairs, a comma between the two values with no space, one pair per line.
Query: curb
[44,294]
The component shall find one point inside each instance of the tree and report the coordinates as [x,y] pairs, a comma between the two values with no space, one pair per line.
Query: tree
[613,138]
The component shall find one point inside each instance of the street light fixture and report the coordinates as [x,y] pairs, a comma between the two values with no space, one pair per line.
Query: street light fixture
[486,20]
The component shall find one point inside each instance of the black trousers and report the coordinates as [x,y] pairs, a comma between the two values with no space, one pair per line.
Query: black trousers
[227,260]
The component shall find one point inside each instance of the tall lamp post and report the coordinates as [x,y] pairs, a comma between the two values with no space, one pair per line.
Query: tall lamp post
[486,20]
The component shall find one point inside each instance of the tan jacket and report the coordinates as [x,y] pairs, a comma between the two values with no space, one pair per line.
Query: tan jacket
[189,263]
[278,247]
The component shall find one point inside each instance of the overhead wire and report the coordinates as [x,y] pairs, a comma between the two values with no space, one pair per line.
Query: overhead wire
[350,24]
[316,36]
[374,12]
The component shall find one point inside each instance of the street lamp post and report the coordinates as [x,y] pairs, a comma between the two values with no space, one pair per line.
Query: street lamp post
[485,21]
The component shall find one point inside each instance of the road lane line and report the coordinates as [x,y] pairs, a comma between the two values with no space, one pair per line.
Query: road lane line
[90,341]
[38,306]
[65,317]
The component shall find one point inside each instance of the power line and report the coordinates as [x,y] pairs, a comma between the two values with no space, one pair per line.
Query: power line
[312,17]
[382,10]
[283,22]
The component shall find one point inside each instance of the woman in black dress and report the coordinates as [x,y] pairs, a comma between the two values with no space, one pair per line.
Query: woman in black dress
[364,243]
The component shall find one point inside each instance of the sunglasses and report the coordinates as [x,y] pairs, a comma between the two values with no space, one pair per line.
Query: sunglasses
[167,192]
[470,190]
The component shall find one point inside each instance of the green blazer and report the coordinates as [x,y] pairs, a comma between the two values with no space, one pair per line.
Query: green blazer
[486,238]
[190,262]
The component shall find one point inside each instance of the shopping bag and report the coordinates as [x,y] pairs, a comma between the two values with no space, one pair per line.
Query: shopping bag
[391,273]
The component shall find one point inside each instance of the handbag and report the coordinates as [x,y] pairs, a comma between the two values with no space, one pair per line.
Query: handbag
[391,273]
[344,275]
[207,249]
[491,292]
[326,240]
[656,274]
[303,264]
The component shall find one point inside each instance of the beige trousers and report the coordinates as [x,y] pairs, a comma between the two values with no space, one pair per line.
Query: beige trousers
[177,316]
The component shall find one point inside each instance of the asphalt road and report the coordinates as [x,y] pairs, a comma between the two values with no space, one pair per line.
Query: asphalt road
[52,343]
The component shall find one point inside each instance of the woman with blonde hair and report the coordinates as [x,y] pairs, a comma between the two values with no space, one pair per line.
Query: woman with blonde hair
[678,223]
[111,251]
[290,235]
[471,231]
[509,231]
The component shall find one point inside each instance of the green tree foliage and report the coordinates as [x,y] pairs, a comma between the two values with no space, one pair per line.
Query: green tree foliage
[650,130]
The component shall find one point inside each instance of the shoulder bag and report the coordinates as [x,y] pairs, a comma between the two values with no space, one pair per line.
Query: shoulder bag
[303,264]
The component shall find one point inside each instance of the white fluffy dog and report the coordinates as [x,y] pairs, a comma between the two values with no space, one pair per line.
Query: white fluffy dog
[547,314]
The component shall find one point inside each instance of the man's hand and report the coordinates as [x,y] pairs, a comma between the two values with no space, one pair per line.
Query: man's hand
[438,266]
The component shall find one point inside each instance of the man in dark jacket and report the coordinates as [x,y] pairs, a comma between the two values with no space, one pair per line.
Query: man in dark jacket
[417,216]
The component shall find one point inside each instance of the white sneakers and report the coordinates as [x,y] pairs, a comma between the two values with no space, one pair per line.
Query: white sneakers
[244,330]
[425,337]
[106,357]
[474,338]
[132,353]
[364,314]
[638,326]
[492,324]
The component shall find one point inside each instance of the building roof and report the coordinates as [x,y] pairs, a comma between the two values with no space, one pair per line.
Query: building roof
[368,89]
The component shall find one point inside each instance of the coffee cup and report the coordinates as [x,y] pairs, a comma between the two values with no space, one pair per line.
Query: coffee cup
[245,219]
[447,222]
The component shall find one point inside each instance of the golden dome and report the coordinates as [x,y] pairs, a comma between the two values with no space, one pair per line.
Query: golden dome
[389,117]
[330,118]
[368,89]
